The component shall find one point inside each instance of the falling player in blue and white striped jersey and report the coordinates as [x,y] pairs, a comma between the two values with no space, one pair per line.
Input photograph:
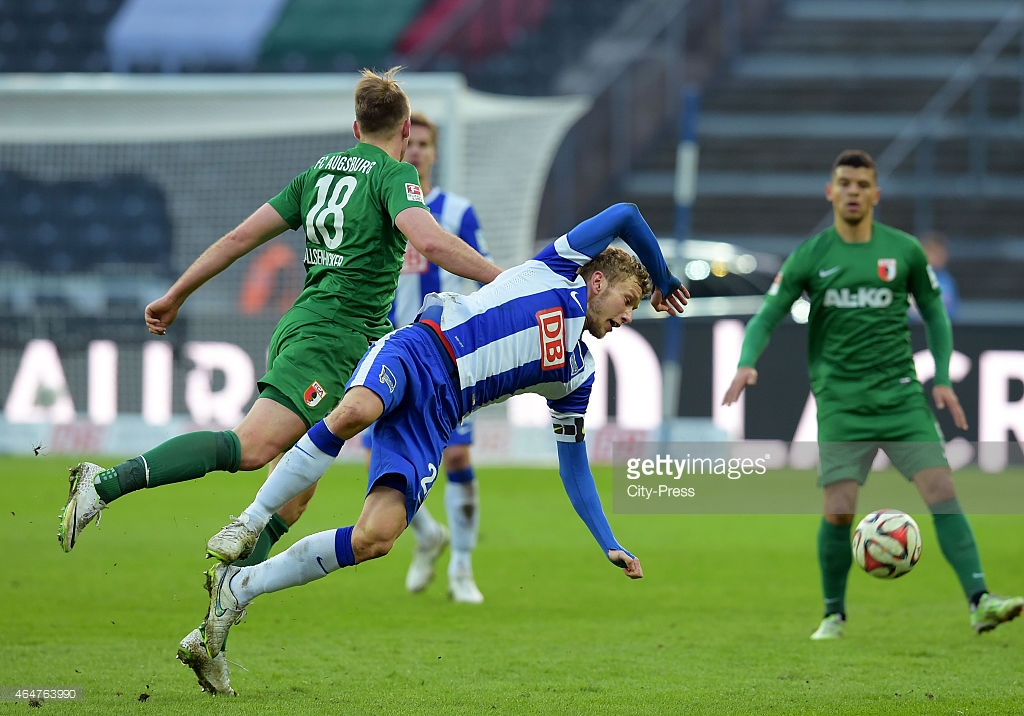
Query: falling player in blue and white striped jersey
[520,333]
[419,278]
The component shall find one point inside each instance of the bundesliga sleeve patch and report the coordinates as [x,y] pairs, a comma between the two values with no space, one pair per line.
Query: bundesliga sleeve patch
[568,430]
[413,192]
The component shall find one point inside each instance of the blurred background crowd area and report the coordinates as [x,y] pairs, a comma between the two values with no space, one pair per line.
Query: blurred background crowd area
[934,89]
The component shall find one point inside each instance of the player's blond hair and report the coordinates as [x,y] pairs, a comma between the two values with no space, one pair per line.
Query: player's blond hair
[618,266]
[418,119]
[381,105]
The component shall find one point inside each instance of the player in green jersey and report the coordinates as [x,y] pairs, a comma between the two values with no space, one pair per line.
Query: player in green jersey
[356,208]
[859,275]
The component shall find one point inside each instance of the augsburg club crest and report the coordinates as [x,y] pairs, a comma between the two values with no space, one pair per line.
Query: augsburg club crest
[887,269]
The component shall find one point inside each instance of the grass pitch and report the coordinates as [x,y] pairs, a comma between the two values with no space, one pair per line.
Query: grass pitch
[719,625]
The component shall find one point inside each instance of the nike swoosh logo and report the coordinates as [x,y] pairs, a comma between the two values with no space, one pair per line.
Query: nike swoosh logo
[577,300]
[321,563]
[218,609]
[825,273]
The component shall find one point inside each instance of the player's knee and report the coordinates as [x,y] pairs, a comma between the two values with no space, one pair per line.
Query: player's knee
[935,484]
[456,458]
[357,411]
[255,453]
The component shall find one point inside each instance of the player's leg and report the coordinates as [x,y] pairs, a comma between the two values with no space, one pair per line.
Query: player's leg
[279,523]
[298,471]
[431,539]
[366,399]
[843,468]
[834,555]
[266,430]
[310,362]
[382,520]
[956,540]
[463,509]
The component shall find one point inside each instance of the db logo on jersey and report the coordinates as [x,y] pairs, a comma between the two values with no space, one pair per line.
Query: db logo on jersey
[552,338]
[413,192]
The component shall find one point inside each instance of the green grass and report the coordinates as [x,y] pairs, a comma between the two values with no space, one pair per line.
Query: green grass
[719,625]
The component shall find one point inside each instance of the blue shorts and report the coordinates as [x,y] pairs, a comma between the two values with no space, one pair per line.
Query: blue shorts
[462,435]
[417,382]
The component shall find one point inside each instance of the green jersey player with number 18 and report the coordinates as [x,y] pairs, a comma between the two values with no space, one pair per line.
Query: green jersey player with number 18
[859,275]
[356,208]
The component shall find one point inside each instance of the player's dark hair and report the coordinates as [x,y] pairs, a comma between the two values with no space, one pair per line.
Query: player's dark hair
[418,119]
[618,265]
[855,158]
[381,105]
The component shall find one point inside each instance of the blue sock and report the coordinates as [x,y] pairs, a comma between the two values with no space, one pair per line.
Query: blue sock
[343,547]
[462,475]
[324,439]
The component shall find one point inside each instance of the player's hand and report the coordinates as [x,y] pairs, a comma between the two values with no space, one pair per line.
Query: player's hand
[630,565]
[673,305]
[743,378]
[160,314]
[944,397]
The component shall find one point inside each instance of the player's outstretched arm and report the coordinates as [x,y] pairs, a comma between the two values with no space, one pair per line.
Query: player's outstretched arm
[446,250]
[578,481]
[263,225]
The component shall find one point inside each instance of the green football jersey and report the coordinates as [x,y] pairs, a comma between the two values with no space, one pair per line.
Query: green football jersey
[346,204]
[858,333]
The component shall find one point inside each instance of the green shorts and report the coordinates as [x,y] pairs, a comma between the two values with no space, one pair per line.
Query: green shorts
[848,441]
[309,362]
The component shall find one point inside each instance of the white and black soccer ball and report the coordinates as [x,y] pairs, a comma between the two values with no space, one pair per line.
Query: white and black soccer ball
[887,544]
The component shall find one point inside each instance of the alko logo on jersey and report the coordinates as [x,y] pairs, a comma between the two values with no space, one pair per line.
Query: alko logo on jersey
[858,298]
[552,338]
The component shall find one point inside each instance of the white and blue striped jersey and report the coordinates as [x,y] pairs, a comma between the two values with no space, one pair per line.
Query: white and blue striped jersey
[419,276]
[522,332]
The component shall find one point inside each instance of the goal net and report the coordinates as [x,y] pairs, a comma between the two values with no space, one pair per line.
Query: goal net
[111,185]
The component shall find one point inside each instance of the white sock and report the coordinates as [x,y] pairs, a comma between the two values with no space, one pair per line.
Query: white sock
[300,468]
[460,502]
[308,559]
[460,562]
[424,526]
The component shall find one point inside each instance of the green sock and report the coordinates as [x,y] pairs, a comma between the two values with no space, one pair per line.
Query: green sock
[186,457]
[834,558]
[956,540]
[274,531]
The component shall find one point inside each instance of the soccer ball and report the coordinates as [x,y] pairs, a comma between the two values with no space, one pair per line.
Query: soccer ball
[887,544]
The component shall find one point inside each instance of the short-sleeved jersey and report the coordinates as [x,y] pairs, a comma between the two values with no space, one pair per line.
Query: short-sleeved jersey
[419,276]
[522,332]
[346,204]
[858,335]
